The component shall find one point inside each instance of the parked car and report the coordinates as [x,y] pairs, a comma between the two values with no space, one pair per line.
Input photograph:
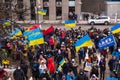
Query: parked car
[100,20]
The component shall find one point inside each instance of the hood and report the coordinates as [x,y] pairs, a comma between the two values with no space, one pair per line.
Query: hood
[50,60]
[41,57]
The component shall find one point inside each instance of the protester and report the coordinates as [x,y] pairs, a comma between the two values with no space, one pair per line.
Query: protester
[19,74]
[111,65]
[58,58]
[102,65]
[94,77]
[81,75]
[2,73]
[70,75]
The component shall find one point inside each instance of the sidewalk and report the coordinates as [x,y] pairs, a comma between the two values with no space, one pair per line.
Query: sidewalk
[49,22]
[60,22]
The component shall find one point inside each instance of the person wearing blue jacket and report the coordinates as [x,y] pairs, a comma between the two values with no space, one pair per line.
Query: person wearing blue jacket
[116,53]
[70,75]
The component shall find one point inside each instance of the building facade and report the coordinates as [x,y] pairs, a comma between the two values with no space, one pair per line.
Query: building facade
[61,9]
[113,8]
[56,9]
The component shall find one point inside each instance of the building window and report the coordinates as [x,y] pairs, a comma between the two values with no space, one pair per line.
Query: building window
[46,7]
[20,0]
[7,4]
[58,9]
[33,15]
[71,9]
[72,3]
[7,0]
[45,3]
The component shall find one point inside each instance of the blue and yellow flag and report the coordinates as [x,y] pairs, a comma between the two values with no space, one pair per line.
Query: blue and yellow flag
[116,29]
[59,69]
[42,12]
[36,39]
[62,62]
[6,23]
[108,78]
[70,23]
[31,30]
[83,42]
[27,33]
[16,33]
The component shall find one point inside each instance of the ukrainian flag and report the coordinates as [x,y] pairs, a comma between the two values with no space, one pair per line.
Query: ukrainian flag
[27,33]
[42,12]
[83,42]
[36,39]
[33,27]
[16,33]
[70,23]
[59,69]
[116,29]
[62,62]
[6,23]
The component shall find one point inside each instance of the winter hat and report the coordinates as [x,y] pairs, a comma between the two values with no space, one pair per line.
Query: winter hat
[63,77]
[73,60]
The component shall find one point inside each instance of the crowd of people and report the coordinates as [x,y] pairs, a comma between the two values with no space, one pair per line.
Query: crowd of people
[57,58]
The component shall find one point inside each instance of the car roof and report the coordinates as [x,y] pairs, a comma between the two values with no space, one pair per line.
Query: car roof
[103,16]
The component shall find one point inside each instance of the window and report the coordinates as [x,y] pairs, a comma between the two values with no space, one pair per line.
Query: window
[46,7]
[45,3]
[7,0]
[103,17]
[58,9]
[33,15]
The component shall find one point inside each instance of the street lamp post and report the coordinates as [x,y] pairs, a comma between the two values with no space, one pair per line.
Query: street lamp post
[37,7]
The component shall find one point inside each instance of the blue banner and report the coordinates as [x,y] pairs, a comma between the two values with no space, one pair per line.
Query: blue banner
[111,78]
[106,42]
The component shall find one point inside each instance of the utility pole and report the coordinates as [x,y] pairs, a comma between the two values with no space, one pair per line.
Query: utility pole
[37,7]
[116,17]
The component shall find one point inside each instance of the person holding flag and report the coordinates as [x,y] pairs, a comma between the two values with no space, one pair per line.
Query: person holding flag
[83,42]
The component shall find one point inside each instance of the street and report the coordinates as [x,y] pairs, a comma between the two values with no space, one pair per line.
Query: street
[83,26]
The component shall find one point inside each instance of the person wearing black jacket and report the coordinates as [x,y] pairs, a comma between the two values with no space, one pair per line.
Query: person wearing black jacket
[58,75]
[102,68]
[81,76]
[24,67]
[35,71]
[19,74]
[45,76]
[111,65]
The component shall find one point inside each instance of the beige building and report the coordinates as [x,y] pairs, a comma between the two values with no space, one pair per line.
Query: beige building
[113,8]
[59,9]
[56,9]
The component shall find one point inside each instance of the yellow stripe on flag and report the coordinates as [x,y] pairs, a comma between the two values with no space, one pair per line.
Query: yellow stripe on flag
[116,31]
[17,34]
[36,42]
[42,13]
[70,25]
[86,44]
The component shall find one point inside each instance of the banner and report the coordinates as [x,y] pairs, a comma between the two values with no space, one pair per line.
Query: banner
[49,30]
[111,78]
[106,42]
[115,29]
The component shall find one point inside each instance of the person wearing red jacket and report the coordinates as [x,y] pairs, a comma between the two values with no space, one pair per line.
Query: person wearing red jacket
[51,65]
[2,73]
